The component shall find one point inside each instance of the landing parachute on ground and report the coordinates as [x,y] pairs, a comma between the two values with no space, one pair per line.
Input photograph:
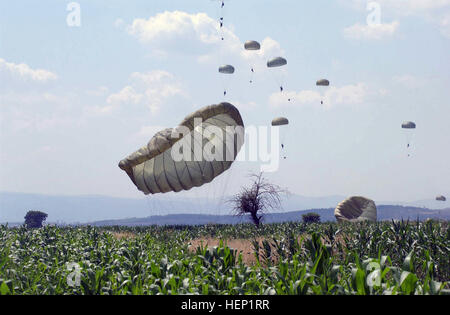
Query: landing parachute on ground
[441,198]
[153,169]
[356,208]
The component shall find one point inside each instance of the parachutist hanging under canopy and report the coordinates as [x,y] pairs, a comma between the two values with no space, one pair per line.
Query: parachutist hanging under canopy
[321,102]
[282,146]
[224,93]
[252,70]
[281,89]
[222,4]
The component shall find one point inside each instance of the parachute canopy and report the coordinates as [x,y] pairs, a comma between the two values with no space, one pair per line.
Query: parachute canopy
[153,169]
[408,125]
[276,62]
[280,121]
[356,209]
[252,45]
[323,82]
[227,69]
[441,198]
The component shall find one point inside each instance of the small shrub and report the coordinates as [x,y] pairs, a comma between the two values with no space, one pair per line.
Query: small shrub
[34,219]
[311,217]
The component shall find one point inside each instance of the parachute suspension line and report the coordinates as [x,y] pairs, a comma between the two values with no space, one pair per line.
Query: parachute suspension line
[217,188]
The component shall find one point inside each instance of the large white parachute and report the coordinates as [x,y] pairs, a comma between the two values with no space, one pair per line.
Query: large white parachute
[218,130]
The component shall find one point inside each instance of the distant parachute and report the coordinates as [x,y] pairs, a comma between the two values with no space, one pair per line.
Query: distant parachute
[282,121]
[279,74]
[252,45]
[356,208]
[408,125]
[153,169]
[279,121]
[227,69]
[322,82]
[441,198]
[276,62]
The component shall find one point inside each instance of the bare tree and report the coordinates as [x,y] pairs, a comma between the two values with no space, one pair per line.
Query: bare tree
[257,199]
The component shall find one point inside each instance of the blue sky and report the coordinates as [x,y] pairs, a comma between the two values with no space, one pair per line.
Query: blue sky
[76,100]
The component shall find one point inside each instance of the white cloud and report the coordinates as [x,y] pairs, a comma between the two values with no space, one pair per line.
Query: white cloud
[151,89]
[376,31]
[169,27]
[346,95]
[126,95]
[199,34]
[25,72]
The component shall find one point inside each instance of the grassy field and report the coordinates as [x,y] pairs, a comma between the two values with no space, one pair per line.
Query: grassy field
[288,258]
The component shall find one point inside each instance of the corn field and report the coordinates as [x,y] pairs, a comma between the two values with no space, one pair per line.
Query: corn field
[289,259]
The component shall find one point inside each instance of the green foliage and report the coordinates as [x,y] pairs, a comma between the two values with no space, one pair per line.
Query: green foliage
[311,217]
[292,258]
[34,219]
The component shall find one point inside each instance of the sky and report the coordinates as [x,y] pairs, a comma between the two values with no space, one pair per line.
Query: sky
[83,85]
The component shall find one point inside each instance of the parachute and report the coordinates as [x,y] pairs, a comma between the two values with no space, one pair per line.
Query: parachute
[322,82]
[356,209]
[279,75]
[280,121]
[252,45]
[276,62]
[153,169]
[408,125]
[441,198]
[226,69]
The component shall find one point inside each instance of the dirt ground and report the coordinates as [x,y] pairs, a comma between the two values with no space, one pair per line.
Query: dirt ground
[121,235]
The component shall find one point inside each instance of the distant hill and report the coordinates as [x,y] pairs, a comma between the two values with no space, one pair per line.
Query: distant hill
[164,210]
[385,212]
[88,208]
